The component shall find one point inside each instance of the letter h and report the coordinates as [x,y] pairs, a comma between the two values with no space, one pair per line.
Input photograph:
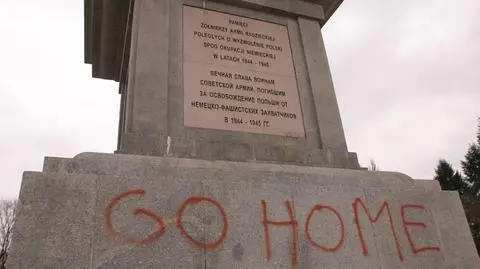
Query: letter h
[292,223]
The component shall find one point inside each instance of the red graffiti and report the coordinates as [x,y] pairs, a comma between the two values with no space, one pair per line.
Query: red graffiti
[318,208]
[141,211]
[292,222]
[195,200]
[386,207]
[268,224]
[415,224]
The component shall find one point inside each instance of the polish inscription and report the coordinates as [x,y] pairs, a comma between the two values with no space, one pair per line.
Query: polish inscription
[239,75]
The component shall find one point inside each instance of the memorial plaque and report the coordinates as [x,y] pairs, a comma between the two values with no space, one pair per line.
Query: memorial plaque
[239,75]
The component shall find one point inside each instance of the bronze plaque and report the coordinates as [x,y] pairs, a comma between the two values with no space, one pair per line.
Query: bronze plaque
[238,75]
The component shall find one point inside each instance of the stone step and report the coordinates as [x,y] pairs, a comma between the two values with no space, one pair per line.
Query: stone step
[178,213]
[140,166]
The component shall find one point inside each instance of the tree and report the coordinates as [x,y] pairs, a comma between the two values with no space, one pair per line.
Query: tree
[468,186]
[471,164]
[471,200]
[373,166]
[448,178]
[7,219]
[471,204]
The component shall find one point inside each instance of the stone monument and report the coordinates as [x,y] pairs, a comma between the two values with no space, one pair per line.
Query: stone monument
[220,80]
[231,154]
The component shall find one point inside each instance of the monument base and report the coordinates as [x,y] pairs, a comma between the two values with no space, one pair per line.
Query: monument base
[114,211]
[239,151]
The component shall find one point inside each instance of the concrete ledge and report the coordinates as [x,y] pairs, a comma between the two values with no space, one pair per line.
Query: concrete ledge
[98,210]
[146,166]
[230,149]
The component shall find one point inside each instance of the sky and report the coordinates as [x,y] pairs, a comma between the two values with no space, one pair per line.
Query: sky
[406,75]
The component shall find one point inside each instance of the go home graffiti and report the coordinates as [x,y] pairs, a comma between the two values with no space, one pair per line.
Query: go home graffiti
[358,205]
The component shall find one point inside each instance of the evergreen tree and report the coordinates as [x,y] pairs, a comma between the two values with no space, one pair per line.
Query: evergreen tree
[458,183]
[469,187]
[448,178]
[471,164]
[478,131]
[471,204]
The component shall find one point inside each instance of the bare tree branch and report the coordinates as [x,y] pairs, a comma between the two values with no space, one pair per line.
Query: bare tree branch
[7,219]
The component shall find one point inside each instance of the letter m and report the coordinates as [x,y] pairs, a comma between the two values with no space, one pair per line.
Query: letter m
[385,207]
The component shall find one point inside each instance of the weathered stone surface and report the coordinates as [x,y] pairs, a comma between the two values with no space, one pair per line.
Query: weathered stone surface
[152,120]
[139,166]
[99,210]
[457,243]
[54,225]
[326,228]
[223,199]
[107,21]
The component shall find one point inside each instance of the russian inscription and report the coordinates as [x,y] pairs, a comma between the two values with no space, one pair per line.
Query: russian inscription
[239,75]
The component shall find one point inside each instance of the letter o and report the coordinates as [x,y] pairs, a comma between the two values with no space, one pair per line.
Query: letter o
[342,228]
[196,200]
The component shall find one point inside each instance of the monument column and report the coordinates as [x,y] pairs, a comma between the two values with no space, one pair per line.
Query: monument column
[326,106]
[145,110]
[298,122]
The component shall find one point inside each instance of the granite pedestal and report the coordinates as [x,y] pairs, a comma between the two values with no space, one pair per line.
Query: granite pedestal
[124,211]
[190,187]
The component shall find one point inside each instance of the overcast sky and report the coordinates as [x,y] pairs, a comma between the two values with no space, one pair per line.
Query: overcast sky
[406,72]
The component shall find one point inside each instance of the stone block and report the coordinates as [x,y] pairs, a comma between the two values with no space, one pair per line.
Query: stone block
[405,235]
[143,144]
[244,246]
[269,153]
[327,230]
[54,224]
[431,185]
[147,238]
[325,102]
[237,151]
[153,102]
[208,150]
[353,161]
[133,166]
[123,211]
[453,230]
